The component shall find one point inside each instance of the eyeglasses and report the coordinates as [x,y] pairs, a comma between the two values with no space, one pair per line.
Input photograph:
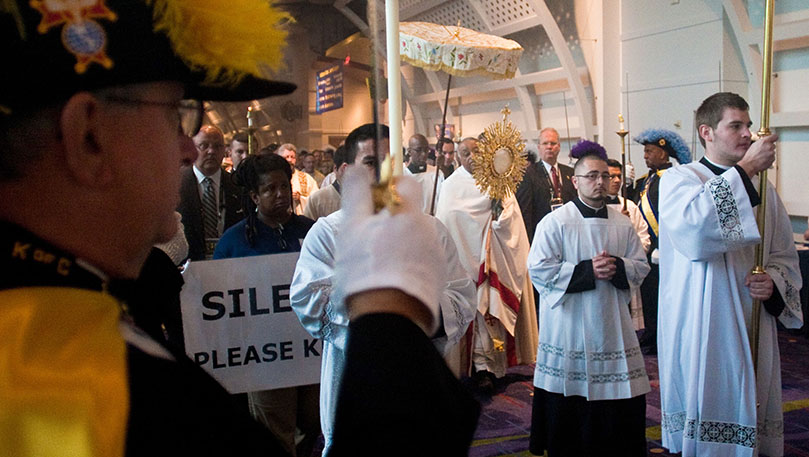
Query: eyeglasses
[189,112]
[595,175]
[204,146]
[549,143]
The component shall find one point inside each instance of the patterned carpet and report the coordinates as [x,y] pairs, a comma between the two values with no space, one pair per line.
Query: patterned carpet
[505,422]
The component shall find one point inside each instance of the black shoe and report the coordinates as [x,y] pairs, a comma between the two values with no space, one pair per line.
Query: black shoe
[484,382]
[649,350]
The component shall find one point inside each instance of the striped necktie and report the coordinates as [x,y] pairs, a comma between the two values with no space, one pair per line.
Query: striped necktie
[557,186]
[210,215]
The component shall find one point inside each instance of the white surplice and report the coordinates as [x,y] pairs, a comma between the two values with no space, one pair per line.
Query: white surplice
[493,253]
[708,388]
[587,343]
[426,180]
[310,293]
[642,228]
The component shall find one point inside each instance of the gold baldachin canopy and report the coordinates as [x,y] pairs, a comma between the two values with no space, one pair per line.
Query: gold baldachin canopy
[500,163]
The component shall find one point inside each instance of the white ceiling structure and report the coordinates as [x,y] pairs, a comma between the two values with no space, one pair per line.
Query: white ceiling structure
[497,17]
[501,18]
[789,32]
[552,61]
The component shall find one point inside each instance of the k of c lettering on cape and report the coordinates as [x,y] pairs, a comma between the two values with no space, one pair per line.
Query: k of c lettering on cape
[239,325]
[26,251]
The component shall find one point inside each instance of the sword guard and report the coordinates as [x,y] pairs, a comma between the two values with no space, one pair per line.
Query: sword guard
[385,196]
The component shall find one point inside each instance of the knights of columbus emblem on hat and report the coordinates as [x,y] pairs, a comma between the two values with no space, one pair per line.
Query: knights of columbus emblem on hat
[81,35]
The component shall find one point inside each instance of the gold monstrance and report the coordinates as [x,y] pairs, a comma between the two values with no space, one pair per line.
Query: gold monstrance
[500,163]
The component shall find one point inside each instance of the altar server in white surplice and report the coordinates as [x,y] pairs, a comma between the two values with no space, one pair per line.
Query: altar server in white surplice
[708,235]
[426,180]
[617,202]
[422,172]
[493,250]
[590,381]
[628,208]
[312,284]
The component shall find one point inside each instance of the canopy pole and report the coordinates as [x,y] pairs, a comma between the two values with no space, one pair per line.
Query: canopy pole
[438,144]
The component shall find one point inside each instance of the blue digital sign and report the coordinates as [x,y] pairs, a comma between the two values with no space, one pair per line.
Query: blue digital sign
[329,89]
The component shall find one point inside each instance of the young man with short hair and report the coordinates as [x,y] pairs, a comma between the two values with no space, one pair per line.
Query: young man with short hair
[713,403]
[590,381]
[238,148]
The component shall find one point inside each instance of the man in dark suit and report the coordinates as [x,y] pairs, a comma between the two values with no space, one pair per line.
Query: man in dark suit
[209,201]
[546,184]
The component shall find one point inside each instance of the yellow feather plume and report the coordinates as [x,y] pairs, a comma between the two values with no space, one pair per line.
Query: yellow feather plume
[225,39]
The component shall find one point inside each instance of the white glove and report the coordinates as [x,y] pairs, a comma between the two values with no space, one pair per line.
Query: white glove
[655,257]
[387,251]
[629,174]
[177,247]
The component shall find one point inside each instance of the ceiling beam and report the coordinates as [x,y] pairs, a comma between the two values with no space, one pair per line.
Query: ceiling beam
[583,108]
[540,77]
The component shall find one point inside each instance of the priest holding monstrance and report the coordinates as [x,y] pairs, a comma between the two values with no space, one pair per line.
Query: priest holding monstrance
[478,207]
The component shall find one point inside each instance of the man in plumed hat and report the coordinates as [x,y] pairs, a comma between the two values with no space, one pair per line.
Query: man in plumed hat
[659,147]
[97,109]
[103,112]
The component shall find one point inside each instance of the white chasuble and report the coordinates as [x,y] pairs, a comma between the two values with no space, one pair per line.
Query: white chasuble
[587,343]
[708,388]
[493,253]
[305,185]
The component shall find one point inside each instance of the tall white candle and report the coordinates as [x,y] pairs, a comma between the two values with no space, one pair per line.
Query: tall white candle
[394,84]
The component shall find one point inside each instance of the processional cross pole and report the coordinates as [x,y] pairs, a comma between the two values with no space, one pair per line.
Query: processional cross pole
[764,130]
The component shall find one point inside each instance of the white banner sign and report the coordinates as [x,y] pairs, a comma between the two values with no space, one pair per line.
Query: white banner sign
[240,327]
